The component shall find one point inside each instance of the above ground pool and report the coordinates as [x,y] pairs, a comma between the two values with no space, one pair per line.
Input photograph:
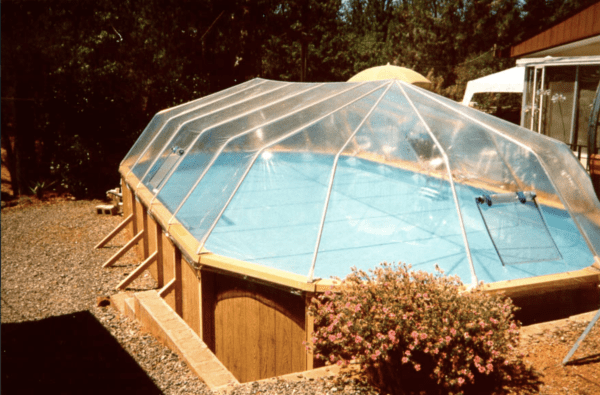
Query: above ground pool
[376,213]
[314,179]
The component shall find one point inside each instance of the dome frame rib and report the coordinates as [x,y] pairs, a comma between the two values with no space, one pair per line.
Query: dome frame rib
[245,132]
[452,186]
[280,139]
[332,177]
[176,132]
[203,103]
[541,161]
[211,127]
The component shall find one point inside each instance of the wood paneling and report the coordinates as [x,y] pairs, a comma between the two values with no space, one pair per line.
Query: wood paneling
[259,330]
[152,232]
[190,301]
[128,202]
[141,222]
[178,282]
[208,308]
[168,259]
[578,27]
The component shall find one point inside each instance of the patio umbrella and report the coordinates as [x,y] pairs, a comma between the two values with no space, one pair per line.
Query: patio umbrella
[389,72]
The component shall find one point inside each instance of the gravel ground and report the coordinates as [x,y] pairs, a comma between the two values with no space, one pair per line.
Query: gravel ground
[52,281]
[56,337]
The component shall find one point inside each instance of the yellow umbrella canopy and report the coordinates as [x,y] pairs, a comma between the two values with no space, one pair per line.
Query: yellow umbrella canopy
[389,72]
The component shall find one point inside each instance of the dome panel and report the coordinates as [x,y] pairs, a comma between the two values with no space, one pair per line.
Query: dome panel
[159,120]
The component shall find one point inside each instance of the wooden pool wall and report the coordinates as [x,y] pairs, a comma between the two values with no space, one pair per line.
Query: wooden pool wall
[254,319]
[257,329]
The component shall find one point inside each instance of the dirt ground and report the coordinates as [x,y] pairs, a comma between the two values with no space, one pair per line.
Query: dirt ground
[543,345]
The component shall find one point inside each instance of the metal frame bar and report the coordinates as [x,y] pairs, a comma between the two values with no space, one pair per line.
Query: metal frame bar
[581,338]
[505,199]
[542,94]
[168,176]
[182,114]
[575,109]
[474,280]
[180,127]
[531,151]
[280,139]
[256,82]
[331,178]
[216,155]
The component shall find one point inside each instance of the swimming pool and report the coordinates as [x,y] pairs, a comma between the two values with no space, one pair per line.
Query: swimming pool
[376,213]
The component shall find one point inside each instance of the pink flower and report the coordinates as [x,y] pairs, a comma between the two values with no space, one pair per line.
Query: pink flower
[332,338]
[423,336]
[448,338]
[461,381]
[467,335]
[404,360]
[358,339]
[417,367]
[392,334]
[453,331]
[490,367]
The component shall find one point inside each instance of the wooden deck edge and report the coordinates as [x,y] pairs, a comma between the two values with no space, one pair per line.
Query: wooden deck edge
[155,315]
[541,284]
[188,245]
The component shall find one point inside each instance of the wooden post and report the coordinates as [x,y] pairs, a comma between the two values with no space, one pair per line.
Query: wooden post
[159,258]
[139,270]
[167,288]
[178,283]
[116,231]
[123,250]
[309,328]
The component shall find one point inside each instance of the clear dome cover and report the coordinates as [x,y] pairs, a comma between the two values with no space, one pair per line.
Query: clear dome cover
[315,178]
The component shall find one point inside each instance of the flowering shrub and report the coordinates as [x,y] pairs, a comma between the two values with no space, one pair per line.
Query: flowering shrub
[412,331]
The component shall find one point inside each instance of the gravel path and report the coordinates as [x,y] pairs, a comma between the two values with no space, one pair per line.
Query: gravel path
[52,280]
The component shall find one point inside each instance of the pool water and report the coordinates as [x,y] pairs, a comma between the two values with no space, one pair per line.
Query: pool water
[375,213]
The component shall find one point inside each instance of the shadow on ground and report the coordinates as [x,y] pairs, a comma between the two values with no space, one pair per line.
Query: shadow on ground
[69,354]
